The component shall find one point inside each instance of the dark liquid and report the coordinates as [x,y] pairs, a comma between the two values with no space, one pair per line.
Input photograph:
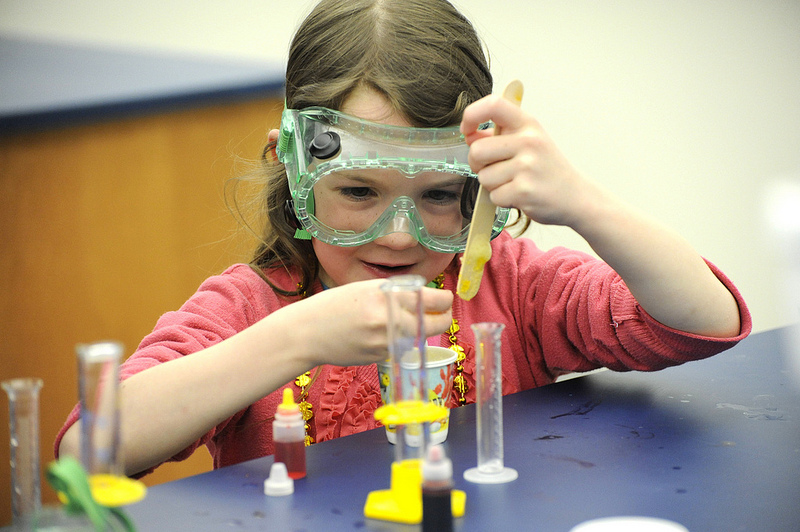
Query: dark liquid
[293,454]
[437,513]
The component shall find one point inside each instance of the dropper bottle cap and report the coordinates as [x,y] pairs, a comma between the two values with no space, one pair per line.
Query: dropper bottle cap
[436,467]
[279,482]
[288,407]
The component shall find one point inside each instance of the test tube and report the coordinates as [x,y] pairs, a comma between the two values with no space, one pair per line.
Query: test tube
[406,339]
[489,394]
[23,406]
[98,370]
[26,495]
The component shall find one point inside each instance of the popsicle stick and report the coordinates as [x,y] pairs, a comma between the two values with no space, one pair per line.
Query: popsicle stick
[478,250]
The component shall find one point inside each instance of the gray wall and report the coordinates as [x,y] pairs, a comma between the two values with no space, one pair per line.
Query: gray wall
[690,110]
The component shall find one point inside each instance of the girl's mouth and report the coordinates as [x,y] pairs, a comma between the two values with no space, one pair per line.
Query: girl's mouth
[385,270]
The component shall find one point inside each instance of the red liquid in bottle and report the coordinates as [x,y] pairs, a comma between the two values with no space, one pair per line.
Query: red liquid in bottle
[293,454]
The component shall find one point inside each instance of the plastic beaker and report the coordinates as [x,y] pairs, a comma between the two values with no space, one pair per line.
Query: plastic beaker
[406,343]
[98,370]
[489,395]
[23,408]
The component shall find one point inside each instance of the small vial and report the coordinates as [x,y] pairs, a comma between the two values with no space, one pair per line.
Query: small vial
[288,434]
[437,487]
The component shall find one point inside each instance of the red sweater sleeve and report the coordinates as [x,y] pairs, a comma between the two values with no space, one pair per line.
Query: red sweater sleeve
[584,317]
[221,307]
[566,311]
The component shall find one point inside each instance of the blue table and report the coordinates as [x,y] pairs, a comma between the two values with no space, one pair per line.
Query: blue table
[47,84]
[713,445]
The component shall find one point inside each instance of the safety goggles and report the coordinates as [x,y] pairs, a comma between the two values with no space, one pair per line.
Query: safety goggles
[353,181]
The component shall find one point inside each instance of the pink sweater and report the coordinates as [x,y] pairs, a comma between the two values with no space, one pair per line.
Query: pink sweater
[564,311]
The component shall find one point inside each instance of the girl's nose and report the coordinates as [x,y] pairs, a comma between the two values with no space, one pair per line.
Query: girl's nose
[397,241]
[401,237]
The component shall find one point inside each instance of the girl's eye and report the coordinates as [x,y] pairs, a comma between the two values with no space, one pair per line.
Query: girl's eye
[442,197]
[357,193]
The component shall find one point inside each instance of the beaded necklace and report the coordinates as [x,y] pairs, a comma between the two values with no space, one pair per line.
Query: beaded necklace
[304,381]
[459,382]
[306,408]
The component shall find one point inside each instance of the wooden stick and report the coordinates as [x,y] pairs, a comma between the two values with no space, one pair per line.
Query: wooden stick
[478,250]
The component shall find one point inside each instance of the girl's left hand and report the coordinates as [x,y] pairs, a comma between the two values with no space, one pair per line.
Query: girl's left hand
[522,167]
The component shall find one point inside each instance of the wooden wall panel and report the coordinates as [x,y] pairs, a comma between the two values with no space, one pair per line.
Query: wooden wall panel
[105,227]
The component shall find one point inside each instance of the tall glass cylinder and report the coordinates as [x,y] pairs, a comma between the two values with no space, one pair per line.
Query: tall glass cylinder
[407,354]
[98,374]
[23,403]
[489,395]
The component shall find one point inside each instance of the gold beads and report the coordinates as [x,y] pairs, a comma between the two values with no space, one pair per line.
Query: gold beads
[459,381]
[306,408]
[303,380]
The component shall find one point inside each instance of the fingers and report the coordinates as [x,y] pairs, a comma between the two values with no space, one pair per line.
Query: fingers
[435,301]
[476,135]
[520,135]
[504,190]
[522,167]
[436,313]
[503,113]
[437,324]
[494,150]
[356,332]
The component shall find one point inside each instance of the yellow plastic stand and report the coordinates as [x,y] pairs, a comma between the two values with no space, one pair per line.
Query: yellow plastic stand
[113,491]
[410,412]
[402,502]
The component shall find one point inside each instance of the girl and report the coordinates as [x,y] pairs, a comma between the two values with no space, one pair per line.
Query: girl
[369,177]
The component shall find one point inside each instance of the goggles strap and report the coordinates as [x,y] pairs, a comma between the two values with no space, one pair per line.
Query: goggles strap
[300,233]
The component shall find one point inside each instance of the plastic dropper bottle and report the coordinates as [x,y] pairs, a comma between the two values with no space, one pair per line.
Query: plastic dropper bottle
[288,434]
[437,487]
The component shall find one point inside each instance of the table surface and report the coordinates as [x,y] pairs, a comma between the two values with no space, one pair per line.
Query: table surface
[713,445]
[49,84]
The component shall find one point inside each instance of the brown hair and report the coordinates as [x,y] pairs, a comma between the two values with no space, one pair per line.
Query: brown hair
[423,56]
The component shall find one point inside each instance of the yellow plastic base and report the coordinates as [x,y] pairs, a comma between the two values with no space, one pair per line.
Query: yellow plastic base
[402,502]
[113,491]
[410,412]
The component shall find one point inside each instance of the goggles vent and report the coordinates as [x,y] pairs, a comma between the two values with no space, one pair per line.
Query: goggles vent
[325,145]
[285,138]
[401,221]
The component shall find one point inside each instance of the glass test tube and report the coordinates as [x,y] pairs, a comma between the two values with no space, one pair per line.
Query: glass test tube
[489,393]
[406,338]
[98,371]
[23,406]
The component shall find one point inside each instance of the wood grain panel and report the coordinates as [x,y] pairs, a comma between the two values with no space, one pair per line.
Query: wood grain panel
[104,228]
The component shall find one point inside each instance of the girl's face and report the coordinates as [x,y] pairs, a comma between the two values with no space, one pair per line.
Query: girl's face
[393,254]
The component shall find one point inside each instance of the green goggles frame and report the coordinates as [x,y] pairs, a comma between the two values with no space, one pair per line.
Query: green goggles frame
[315,142]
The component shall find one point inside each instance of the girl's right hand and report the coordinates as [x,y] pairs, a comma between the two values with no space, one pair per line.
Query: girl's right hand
[347,325]
[523,168]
